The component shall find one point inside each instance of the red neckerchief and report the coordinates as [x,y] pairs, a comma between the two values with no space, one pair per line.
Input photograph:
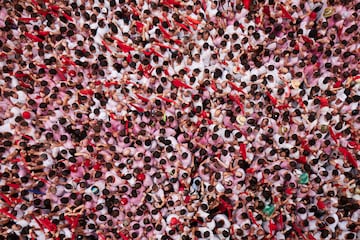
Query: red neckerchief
[183,26]
[272,99]
[266,10]
[33,37]
[298,230]
[106,46]
[334,136]
[302,159]
[123,236]
[285,13]
[349,157]
[243,150]
[144,99]
[235,87]
[5,211]
[251,216]
[178,83]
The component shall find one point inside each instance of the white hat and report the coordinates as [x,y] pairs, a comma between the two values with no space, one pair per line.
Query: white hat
[241,119]
[104,10]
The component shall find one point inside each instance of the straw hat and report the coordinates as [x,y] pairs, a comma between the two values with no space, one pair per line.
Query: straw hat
[295,83]
[328,12]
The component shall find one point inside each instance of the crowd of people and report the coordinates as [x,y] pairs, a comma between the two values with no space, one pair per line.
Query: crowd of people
[169,119]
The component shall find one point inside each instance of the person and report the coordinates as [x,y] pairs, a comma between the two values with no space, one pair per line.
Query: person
[179,119]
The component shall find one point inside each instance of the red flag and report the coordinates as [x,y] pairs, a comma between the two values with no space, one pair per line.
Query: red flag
[33,37]
[178,83]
